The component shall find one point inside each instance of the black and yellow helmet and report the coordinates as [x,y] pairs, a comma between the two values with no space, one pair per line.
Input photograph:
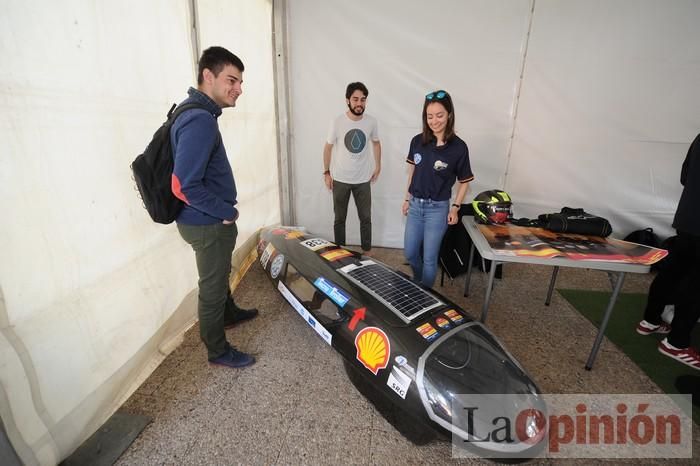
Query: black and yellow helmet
[492,207]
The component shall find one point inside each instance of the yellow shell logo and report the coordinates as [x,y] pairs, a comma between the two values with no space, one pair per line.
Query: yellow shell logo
[373,348]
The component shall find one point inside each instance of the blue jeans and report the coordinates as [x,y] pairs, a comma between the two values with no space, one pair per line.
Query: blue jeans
[425,226]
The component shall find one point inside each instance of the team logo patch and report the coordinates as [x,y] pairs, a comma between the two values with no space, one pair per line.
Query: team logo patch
[336,254]
[428,332]
[265,257]
[440,321]
[439,165]
[373,348]
[454,316]
[355,141]
[417,158]
[276,266]
[316,243]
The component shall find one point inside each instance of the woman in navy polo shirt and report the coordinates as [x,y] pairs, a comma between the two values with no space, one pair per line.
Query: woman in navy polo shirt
[437,159]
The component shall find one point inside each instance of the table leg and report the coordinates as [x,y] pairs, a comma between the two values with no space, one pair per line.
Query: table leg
[604,323]
[555,272]
[489,288]
[469,271]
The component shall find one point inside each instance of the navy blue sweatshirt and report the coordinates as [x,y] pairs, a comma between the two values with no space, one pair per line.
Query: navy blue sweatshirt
[202,176]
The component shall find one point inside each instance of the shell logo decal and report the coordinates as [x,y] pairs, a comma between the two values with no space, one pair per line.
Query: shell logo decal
[373,348]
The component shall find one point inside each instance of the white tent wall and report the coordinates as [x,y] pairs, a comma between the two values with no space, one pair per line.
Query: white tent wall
[249,130]
[608,110]
[92,293]
[561,102]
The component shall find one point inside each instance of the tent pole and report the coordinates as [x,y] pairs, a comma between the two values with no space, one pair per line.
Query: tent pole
[284,165]
[195,34]
[516,100]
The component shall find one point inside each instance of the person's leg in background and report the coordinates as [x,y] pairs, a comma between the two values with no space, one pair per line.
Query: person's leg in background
[341,197]
[362,193]
[435,214]
[687,299]
[413,238]
[663,290]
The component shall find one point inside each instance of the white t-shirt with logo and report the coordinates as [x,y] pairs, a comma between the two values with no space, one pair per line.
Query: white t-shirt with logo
[352,160]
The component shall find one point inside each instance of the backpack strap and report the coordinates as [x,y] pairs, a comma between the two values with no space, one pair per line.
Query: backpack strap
[175,110]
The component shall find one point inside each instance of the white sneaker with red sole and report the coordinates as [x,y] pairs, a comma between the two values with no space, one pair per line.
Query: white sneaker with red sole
[646,328]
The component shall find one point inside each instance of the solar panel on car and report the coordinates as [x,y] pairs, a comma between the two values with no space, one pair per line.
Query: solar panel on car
[403,297]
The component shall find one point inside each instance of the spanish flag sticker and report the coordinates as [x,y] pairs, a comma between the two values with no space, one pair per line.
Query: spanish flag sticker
[373,348]
[454,316]
[336,254]
[428,332]
[294,234]
[442,322]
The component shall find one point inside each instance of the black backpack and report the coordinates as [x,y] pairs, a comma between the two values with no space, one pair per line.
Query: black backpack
[153,171]
[646,237]
[455,248]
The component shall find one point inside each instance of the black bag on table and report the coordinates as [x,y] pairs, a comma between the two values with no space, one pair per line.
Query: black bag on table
[577,221]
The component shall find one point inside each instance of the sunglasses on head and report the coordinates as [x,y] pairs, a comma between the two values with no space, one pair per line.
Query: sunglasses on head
[437,95]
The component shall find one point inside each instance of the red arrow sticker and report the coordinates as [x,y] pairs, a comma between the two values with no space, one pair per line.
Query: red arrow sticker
[357,315]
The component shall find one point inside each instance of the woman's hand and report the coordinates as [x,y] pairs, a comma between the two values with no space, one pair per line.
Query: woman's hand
[404,207]
[453,216]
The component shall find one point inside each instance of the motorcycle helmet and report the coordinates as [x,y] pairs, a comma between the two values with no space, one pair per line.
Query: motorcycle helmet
[492,207]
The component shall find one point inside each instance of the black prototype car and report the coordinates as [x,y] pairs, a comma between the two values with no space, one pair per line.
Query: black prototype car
[408,349]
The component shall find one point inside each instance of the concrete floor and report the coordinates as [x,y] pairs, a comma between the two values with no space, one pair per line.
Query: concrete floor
[297,406]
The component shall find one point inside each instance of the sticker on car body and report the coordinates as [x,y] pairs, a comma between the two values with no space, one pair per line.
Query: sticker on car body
[399,382]
[306,315]
[316,243]
[332,291]
[373,349]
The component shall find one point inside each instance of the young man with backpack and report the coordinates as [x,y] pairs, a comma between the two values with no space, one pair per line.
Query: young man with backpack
[203,179]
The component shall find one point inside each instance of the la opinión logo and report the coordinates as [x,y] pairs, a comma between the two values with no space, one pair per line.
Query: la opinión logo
[574,426]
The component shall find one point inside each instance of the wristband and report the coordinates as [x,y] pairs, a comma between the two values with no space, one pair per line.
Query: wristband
[455,205]
[406,200]
[327,172]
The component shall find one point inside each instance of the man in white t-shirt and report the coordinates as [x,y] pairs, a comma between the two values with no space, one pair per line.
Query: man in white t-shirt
[351,168]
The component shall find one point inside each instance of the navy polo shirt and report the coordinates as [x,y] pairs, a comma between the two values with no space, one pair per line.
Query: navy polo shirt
[437,168]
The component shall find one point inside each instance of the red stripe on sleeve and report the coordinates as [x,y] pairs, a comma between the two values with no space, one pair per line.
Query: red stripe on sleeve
[175,187]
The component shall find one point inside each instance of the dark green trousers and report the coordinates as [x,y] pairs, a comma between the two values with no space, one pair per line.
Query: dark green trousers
[363,201]
[213,246]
